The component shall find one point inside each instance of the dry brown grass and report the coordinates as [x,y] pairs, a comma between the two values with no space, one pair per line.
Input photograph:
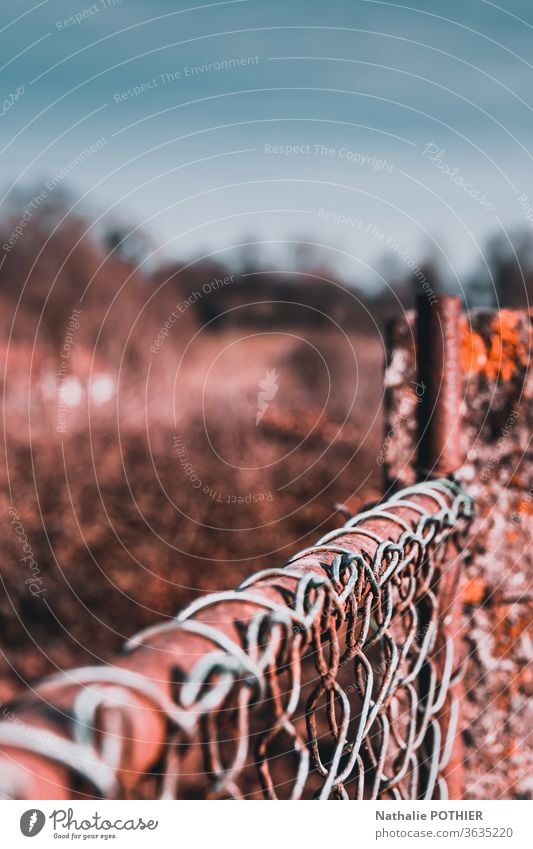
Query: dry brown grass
[121,534]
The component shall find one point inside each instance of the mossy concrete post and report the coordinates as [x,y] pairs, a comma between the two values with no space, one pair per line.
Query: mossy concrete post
[496,412]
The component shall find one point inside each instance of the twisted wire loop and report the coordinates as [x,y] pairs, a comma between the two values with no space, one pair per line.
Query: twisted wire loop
[332,678]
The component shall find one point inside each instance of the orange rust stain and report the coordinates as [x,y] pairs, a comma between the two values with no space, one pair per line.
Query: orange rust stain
[473,352]
[526,507]
[507,634]
[523,509]
[474,591]
[504,353]
[512,536]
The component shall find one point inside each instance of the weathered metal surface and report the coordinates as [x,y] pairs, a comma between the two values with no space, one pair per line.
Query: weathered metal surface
[332,677]
[497,419]
[439,379]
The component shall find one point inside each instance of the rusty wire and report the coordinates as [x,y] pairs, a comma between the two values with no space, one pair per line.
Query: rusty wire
[332,677]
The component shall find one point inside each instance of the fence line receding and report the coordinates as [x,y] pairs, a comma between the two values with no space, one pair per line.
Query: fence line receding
[332,677]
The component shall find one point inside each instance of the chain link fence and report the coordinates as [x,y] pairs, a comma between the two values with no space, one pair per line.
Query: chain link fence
[335,676]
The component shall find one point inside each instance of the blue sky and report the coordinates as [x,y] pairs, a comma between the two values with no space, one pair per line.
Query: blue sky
[425,111]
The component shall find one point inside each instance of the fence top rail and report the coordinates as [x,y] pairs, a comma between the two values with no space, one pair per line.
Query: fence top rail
[327,677]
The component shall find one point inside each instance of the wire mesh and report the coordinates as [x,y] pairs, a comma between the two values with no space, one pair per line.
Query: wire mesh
[334,676]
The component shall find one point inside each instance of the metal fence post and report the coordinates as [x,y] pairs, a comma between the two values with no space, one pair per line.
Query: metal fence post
[439,378]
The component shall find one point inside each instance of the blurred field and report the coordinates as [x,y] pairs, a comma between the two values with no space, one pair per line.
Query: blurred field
[159,484]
